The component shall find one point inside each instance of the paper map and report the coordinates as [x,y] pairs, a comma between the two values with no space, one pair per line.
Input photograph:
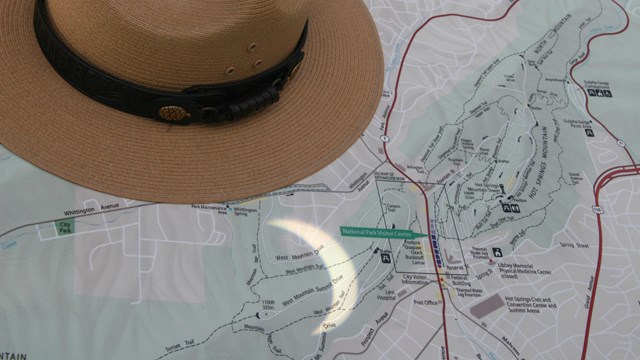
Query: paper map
[491,210]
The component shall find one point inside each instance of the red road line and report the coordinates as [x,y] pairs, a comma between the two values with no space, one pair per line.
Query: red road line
[424,194]
[604,179]
[603,182]
[625,167]
[613,175]
[586,56]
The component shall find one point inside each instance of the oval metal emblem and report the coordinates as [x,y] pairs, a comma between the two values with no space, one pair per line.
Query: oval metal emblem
[173,113]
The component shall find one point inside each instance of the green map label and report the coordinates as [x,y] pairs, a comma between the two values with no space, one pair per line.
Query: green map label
[66,226]
[379,233]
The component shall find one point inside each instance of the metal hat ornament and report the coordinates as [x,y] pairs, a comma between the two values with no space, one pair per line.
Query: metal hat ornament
[186,102]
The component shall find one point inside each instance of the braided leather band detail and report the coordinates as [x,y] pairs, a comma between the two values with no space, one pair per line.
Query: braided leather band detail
[205,103]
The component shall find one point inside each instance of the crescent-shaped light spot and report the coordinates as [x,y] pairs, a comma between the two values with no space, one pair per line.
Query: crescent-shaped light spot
[344,291]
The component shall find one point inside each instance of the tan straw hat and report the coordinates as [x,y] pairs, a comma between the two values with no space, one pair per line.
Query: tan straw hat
[106,107]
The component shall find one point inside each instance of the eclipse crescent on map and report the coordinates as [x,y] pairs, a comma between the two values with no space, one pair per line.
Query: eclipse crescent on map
[315,238]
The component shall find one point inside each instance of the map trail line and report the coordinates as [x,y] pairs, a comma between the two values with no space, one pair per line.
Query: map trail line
[424,194]
[411,294]
[584,92]
[605,178]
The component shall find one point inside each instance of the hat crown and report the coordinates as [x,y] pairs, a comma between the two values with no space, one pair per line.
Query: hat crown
[171,45]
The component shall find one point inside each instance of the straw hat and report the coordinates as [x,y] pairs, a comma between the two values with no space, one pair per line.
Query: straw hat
[108,114]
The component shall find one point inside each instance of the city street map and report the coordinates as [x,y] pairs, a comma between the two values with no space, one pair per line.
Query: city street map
[491,210]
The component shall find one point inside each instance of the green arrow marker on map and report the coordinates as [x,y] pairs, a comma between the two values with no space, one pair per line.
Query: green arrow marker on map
[379,233]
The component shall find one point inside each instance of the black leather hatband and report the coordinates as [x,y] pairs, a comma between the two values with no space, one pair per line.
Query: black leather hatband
[206,103]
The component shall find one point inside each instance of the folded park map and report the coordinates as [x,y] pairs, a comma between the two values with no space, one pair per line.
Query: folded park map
[491,210]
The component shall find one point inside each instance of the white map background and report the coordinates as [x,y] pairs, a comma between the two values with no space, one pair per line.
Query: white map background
[477,110]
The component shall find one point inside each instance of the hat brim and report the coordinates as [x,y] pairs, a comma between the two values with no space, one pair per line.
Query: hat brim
[322,112]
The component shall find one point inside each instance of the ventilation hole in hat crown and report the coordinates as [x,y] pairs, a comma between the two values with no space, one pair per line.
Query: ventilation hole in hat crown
[230,71]
[258,63]
[252,46]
